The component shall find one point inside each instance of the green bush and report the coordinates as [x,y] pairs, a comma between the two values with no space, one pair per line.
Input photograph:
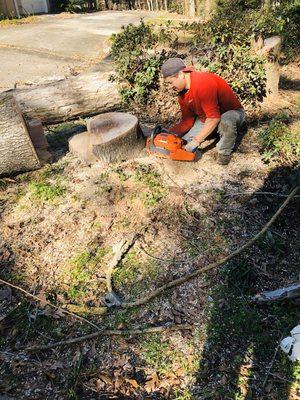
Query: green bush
[138,60]
[71,6]
[240,68]
[279,141]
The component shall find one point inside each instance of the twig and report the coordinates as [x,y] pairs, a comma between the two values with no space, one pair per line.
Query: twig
[167,260]
[209,267]
[272,362]
[32,296]
[258,193]
[109,332]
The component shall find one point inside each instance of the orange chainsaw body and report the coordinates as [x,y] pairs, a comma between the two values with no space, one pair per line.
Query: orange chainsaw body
[168,146]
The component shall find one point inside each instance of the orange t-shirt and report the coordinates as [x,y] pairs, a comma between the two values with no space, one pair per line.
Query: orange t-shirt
[209,96]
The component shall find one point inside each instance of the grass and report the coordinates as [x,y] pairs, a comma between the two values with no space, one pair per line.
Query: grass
[155,190]
[238,332]
[135,275]
[45,192]
[18,21]
[79,271]
[279,141]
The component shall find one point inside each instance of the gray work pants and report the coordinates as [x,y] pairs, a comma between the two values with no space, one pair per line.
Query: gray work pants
[231,122]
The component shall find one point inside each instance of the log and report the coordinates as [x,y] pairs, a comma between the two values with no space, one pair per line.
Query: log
[288,292]
[16,149]
[110,137]
[66,99]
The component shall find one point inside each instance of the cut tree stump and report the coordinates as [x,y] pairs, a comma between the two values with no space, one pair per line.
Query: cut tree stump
[66,99]
[17,152]
[270,50]
[111,137]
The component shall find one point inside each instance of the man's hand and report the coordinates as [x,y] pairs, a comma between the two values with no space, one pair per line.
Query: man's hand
[192,146]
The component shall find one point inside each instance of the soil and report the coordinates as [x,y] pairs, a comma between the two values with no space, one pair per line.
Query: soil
[59,229]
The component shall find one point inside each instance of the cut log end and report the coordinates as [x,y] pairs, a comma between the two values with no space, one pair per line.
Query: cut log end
[111,137]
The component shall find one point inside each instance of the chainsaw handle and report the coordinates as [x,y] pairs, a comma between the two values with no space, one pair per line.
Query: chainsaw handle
[158,129]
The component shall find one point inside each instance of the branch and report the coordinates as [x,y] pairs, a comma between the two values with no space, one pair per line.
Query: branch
[288,292]
[258,193]
[32,296]
[209,267]
[108,332]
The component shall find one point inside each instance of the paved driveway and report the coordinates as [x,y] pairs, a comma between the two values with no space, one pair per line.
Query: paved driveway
[58,44]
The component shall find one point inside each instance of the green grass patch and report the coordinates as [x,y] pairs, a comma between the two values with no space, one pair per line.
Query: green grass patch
[46,192]
[79,271]
[155,191]
[135,275]
[279,141]
[166,357]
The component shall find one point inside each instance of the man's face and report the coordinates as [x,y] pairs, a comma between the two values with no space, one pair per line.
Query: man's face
[177,82]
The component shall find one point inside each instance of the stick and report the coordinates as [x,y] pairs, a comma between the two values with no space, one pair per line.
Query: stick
[209,267]
[49,304]
[288,292]
[109,332]
[272,362]
[258,193]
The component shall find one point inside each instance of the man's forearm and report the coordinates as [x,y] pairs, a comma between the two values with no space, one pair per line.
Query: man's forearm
[209,126]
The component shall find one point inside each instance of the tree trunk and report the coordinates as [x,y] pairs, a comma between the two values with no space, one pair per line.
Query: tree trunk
[83,95]
[166,5]
[16,149]
[111,137]
[192,8]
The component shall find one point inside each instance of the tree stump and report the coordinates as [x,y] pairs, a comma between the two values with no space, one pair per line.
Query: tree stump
[270,49]
[17,152]
[110,137]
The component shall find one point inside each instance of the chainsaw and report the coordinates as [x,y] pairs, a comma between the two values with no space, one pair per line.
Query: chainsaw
[163,144]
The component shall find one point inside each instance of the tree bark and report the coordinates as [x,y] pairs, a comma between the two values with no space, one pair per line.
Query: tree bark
[16,149]
[82,95]
[111,137]
[192,8]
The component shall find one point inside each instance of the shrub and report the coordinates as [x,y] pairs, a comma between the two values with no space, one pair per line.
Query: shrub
[138,60]
[239,67]
[71,6]
[279,141]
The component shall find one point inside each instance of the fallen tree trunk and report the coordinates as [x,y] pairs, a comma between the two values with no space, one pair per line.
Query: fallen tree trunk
[82,95]
[16,149]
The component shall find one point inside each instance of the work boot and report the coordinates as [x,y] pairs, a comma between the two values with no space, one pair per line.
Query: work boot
[223,159]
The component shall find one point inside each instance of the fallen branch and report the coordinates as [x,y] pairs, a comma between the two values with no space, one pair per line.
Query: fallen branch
[288,292]
[36,298]
[209,267]
[108,332]
[258,193]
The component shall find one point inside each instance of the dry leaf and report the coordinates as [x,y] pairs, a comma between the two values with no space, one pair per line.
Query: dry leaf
[152,383]
[118,381]
[99,384]
[133,383]
[106,379]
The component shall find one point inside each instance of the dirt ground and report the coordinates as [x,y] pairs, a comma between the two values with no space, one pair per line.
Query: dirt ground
[59,230]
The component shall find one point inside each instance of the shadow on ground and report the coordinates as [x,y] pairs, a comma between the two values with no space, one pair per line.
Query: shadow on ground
[240,358]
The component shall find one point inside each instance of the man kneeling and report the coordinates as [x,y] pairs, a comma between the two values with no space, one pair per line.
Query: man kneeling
[208,104]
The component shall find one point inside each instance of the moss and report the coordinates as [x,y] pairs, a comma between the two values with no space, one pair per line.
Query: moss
[46,192]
